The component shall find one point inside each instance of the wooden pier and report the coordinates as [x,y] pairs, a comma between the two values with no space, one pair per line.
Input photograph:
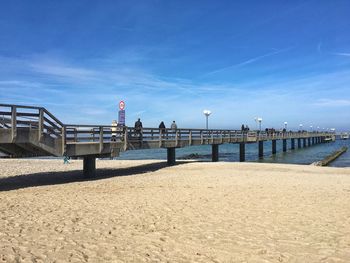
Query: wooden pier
[34,131]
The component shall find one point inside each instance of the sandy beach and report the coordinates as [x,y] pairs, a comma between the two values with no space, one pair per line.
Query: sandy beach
[143,211]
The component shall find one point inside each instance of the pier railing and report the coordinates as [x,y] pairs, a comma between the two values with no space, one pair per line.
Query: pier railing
[103,134]
[19,117]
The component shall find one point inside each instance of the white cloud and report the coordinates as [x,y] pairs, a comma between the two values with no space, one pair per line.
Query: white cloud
[342,54]
[333,102]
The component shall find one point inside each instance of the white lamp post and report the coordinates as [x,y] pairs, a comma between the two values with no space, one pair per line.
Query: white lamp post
[300,127]
[207,113]
[285,125]
[310,127]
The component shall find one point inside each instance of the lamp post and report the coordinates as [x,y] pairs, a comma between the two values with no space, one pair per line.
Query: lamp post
[285,125]
[207,113]
[259,120]
[300,127]
[310,128]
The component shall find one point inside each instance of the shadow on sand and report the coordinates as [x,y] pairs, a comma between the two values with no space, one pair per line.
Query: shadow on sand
[53,178]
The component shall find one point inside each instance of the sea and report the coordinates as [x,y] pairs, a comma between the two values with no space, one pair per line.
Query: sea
[230,153]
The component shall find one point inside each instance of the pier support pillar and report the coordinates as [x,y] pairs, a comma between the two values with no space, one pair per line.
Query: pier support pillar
[313,140]
[299,143]
[89,166]
[171,157]
[242,152]
[284,142]
[261,149]
[308,141]
[304,142]
[292,144]
[215,152]
[274,148]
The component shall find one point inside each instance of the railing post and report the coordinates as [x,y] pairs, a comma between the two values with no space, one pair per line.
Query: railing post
[125,138]
[64,140]
[40,124]
[176,138]
[222,139]
[201,137]
[101,139]
[13,123]
[160,137]
[190,138]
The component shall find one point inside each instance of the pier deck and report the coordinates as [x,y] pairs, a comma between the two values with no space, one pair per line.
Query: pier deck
[34,131]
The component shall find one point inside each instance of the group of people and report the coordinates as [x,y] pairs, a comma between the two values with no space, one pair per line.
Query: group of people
[138,127]
[162,127]
[244,128]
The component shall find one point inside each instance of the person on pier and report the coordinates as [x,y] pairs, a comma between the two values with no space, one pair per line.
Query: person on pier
[162,128]
[138,128]
[173,128]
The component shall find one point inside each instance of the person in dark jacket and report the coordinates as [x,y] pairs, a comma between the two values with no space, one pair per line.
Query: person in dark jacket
[138,128]
[162,127]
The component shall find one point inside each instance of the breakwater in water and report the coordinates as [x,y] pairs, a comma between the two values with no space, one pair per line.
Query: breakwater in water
[330,158]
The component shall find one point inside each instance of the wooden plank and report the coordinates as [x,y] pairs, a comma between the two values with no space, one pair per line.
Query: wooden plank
[190,138]
[52,116]
[54,125]
[19,106]
[63,136]
[125,138]
[7,113]
[40,125]
[101,139]
[13,123]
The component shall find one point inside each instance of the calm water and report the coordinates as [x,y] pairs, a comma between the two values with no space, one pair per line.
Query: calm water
[230,153]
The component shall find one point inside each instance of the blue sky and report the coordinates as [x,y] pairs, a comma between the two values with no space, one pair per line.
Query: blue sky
[170,60]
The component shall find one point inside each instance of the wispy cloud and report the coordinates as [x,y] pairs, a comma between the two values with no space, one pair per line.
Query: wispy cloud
[333,102]
[341,54]
[86,94]
[319,47]
[248,61]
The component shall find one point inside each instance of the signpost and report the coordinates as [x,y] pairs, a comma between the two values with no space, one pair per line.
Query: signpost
[121,113]
[121,105]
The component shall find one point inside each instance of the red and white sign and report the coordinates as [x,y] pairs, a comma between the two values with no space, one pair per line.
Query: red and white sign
[121,105]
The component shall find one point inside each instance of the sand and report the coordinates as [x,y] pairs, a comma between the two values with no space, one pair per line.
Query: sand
[143,211]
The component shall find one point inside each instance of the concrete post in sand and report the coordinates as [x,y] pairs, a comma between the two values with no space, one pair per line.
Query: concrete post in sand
[284,142]
[215,152]
[171,156]
[304,142]
[274,147]
[242,152]
[299,143]
[261,149]
[89,166]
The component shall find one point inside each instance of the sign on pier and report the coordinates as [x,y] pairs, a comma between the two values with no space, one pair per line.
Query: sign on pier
[121,113]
